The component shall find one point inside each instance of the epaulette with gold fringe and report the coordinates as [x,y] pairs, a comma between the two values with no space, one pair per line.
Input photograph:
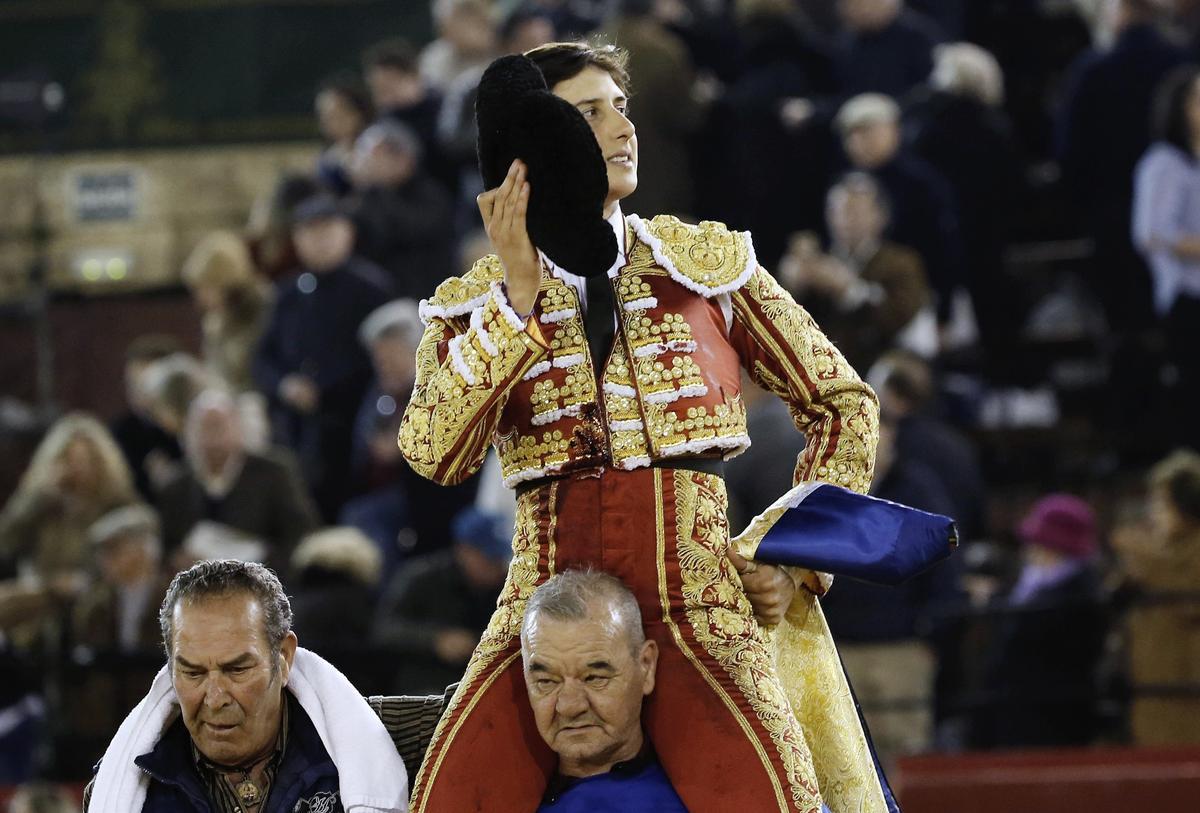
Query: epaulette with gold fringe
[709,258]
[458,296]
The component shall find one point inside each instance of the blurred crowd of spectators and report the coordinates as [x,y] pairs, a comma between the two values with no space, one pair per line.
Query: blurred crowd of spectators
[889,158]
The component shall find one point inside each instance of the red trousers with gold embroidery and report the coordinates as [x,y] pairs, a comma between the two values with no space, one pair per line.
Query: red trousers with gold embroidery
[718,717]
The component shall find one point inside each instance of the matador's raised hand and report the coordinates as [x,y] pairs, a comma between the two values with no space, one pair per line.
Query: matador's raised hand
[503,210]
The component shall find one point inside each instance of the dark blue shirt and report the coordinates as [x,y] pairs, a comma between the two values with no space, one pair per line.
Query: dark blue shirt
[636,786]
[1104,119]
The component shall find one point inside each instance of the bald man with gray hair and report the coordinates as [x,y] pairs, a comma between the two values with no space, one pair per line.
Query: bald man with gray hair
[231,493]
[588,667]
[570,596]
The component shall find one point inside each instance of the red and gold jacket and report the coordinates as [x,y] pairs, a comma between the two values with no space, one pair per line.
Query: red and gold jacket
[695,308]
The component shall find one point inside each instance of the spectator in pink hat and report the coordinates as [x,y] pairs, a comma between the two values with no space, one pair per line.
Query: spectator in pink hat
[1059,539]
[1048,637]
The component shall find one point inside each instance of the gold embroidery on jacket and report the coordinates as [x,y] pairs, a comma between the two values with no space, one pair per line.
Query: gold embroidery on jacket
[678,377]
[536,453]
[652,379]
[457,296]
[649,338]
[631,289]
[557,301]
[457,391]
[723,623]
[846,456]
[568,339]
[627,430]
[708,254]
[550,403]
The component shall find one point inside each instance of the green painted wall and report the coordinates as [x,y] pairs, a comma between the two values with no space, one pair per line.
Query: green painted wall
[181,72]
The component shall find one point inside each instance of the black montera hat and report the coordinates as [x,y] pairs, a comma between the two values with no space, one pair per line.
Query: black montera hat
[518,117]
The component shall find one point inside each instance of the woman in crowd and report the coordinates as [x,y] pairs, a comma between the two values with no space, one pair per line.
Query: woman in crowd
[1166,229]
[76,475]
[343,112]
[1161,565]
[233,302]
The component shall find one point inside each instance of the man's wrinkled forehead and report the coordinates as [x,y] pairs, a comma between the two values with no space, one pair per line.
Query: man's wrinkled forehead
[238,608]
[601,630]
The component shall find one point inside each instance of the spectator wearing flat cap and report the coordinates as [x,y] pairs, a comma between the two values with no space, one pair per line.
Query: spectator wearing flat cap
[387,487]
[438,605]
[120,610]
[309,363]
[923,214]
[403,217]
[1041,673]
[115,620]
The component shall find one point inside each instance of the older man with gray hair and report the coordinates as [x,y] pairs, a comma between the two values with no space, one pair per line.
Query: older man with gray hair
[231,501]
[588,667]
[923,210]
[866,292]
[242,720]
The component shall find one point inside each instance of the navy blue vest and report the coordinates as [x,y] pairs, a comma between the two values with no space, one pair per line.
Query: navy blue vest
[306,782]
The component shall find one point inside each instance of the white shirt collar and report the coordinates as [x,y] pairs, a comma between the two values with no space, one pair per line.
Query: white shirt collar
[617,221]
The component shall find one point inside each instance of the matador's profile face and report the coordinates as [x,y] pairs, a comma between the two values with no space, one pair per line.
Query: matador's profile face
[605,107]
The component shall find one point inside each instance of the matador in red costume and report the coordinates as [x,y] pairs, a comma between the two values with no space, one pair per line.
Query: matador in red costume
[622,471]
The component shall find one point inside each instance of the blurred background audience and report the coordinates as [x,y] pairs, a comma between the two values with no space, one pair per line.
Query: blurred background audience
[991,207]
[1158,567]
[1041,668]
[247,504]
[436,607]
[150,450]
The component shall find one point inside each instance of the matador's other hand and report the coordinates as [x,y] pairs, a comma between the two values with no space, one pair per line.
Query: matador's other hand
[769,588]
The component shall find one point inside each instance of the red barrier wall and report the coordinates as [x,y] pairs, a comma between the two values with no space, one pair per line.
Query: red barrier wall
[1100,780]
